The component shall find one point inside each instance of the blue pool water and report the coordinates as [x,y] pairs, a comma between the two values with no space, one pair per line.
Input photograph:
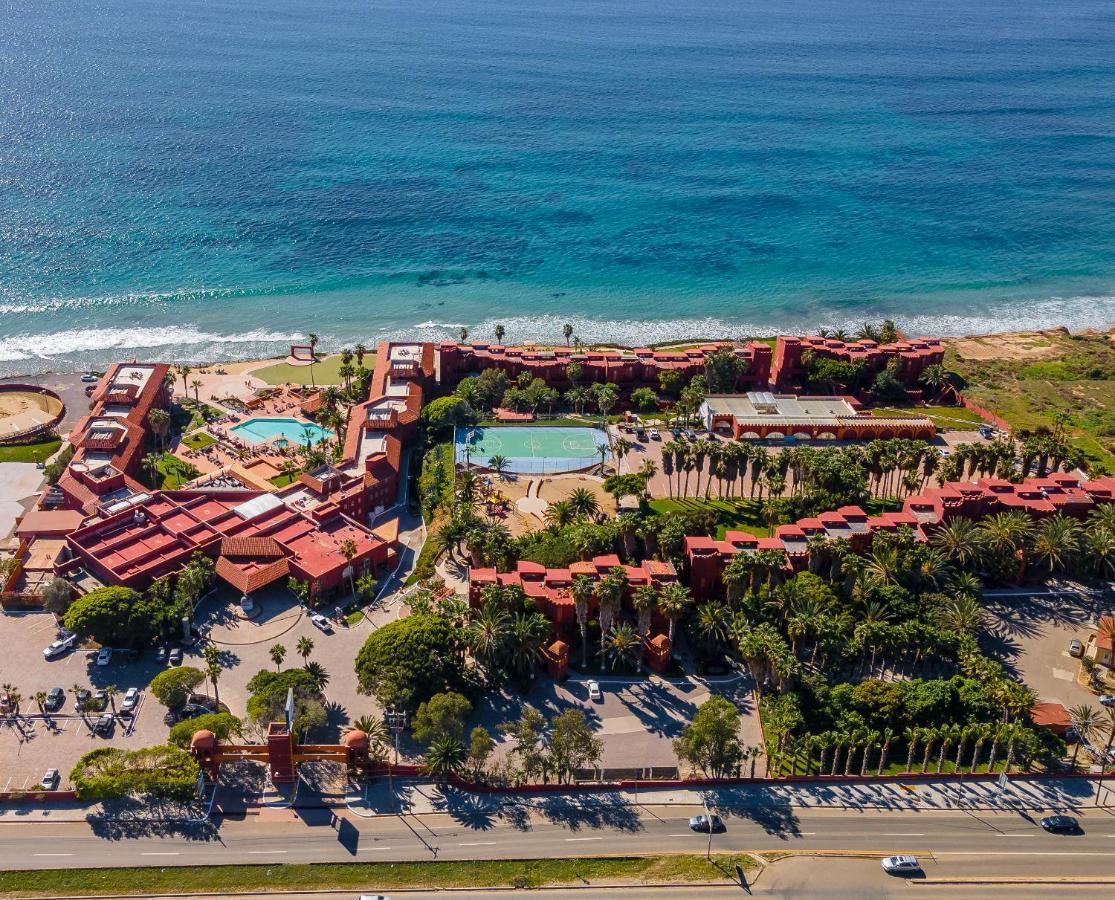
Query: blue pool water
[214,179]
[257,431]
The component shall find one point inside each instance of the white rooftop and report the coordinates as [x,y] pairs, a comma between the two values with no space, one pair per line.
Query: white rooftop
[257,506]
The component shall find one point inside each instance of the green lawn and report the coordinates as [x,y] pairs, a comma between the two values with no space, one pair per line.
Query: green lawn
[284,479]
[31,453]
[198,440]
[734,515]
[364,877]
[173,473]
[328,371]
[944,416]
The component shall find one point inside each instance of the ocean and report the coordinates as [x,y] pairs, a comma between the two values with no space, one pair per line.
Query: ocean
[204,179]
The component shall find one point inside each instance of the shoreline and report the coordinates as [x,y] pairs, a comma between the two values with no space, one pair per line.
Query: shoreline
[1006,338]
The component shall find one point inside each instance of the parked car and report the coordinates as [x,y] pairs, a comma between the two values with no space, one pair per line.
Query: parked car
[691,435]
[706,824]
[594,692]
[1060,824]
[55,698]
[99,700]
[89,377]
[901,865]
[676,432]
[1107,700]
[50,780]
[1076,648]
[60,647]
[82,698]
[104,724]
[131,699]
[160,654]
[374,897]
[104,656]
[174,657]
[655,435]
[321,623]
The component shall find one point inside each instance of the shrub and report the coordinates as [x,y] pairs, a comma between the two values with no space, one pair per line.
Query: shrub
[172,687]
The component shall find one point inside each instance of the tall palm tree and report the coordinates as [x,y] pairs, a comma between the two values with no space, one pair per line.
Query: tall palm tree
[645,601]
[525,637]
[500,332]
[1086,722]
[567,332]
[278,654]
[609,593]
[304,648]
[582,590]
[1057,542]
[673,599]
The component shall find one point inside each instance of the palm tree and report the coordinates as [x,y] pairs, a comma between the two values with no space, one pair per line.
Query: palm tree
[609,594]
[500,332]
[318,676]
[110,696]
[582,590]
[278,654]
[446,755]
[621,643]
[645,601]
[40,701]
[1086,722]
[498,464]
[77,690]
[462,334]
[305,647]
[349,551]
[567,332]
[185,371]
[151,464]
[313,357]
[525,638]
[1057,542]
[584,503]
[961,613]
[196,385]
[673,599]
[961,540]
[488,632]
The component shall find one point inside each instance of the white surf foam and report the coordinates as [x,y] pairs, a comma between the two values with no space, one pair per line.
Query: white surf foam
[62,343]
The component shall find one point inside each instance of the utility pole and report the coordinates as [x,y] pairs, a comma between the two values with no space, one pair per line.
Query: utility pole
[396,721]
[708,822]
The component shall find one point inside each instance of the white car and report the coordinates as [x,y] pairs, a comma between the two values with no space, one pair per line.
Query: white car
[320,622]
[50,779]
[104,656]
[60,646]
[594,692]
[897,865]
[131,699]
[654,435]
[89,378]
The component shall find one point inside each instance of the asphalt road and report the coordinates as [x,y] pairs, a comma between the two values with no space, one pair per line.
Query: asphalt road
[990,844]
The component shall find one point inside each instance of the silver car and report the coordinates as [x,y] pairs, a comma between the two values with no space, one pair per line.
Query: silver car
[900,865]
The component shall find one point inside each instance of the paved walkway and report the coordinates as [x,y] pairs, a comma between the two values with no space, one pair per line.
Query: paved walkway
[420,797]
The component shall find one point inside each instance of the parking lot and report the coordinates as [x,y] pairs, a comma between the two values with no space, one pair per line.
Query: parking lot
[1030,634]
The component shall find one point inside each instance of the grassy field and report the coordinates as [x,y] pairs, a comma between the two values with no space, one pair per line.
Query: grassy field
[365,877]
[1074,378]
[31,453]
[956,417]
[735,515]
[328,371]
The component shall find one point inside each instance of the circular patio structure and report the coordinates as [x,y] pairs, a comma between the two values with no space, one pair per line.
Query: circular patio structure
[27,412]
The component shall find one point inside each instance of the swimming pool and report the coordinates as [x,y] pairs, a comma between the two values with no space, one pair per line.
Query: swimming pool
[532,450]
[258,431]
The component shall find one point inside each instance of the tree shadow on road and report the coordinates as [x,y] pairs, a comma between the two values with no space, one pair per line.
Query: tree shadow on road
[129,819]
[607,810]
[774,814]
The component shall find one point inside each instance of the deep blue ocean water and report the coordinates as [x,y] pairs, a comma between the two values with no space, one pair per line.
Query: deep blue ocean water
[210,179]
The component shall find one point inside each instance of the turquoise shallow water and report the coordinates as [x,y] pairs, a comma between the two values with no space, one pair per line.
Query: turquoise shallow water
[212,179]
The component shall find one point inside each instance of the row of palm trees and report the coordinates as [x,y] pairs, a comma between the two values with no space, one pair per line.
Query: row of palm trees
[895,467]
[865,751]
[1057,543]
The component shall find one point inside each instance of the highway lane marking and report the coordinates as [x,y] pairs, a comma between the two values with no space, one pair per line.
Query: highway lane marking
[266,851]
[375,848]
[585,839]
[1002,834]
[477,843]
[907,834]
[52,854]
[160,854]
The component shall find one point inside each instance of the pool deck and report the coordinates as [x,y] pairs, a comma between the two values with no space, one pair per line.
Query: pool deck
[295,433]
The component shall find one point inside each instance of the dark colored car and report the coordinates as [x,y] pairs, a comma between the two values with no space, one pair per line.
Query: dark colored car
[104,724]
[55,699]
[1060,824]
[82,697]
[706,824]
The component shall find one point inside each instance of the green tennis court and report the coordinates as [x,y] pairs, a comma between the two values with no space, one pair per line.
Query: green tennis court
[532,450]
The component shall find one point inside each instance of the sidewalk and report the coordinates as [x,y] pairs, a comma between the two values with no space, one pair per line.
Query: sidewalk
[418,797]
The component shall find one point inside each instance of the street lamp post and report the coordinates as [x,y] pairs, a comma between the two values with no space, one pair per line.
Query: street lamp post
[708,822]
[396,720]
